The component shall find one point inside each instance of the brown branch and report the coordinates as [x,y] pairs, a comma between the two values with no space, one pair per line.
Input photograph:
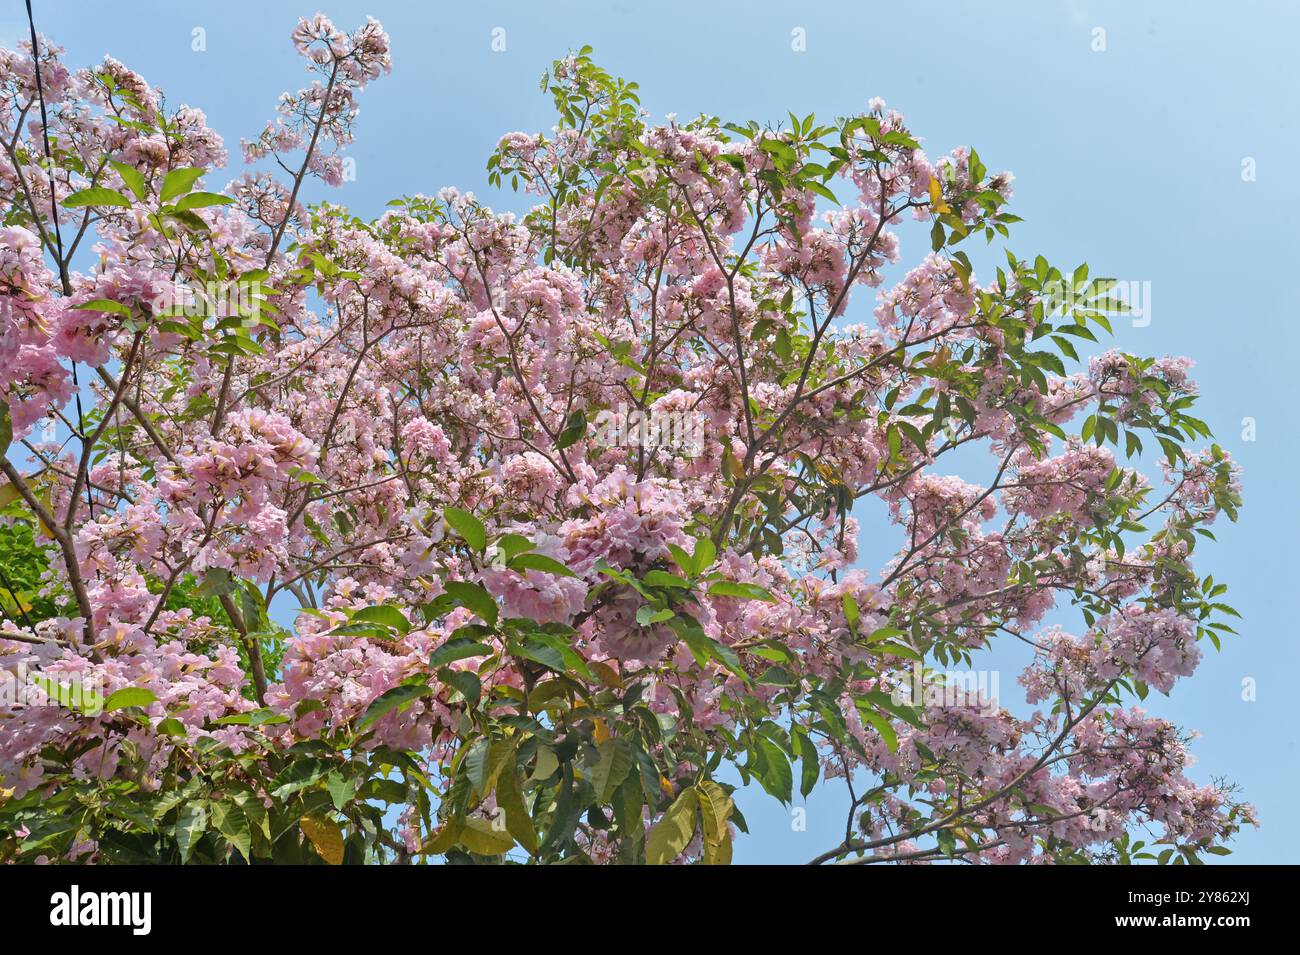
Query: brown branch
[66,546]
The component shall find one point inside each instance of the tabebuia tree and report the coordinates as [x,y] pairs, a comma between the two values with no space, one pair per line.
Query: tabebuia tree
[349,540]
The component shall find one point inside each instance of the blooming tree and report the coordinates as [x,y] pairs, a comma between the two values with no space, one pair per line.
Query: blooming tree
[517,634]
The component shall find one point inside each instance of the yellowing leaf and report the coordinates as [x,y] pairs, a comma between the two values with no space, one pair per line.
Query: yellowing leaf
[47,499]
[325,835]
[616,759]
[672,835]
[443,840]
[8,494]
[11,600]
[718,853]
[549,695]
[936,197]
[731,465]
[715,811]
[501,752]
[482,837]
[510,798]
[546,764]
[606,673]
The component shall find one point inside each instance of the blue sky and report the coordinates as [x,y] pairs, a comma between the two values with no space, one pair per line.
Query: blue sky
[1130,158]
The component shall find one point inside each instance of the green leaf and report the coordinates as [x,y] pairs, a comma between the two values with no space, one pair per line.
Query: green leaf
[730,588]
[484,761]
[682,559]
[229,820]
[937,237]
[262,717]
[171,726]
[216,581]
[705,648]
[574,662]
[179,182]
[257,815]
[464,681]
[548,656]
[191,221]
[6,429]
[396,698]
[374,630]
[385,614]
[510,798]
[661,578]
[612,767]
[674,832]
[811,763]
[899,650]
[574,429]
[851,612]
[705,553]
[648,615]
[133,178]
[201,200]
[74,696]
[773,770]
[105,305]
[474,597]
[821,190]
[190,826]
[512,544]
[96,196]
[540,562]
[457,648]
[467,526]
[882,725]
[341,789]
[129,696]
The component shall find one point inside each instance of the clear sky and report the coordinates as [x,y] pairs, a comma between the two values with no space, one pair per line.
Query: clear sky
[1134,158]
